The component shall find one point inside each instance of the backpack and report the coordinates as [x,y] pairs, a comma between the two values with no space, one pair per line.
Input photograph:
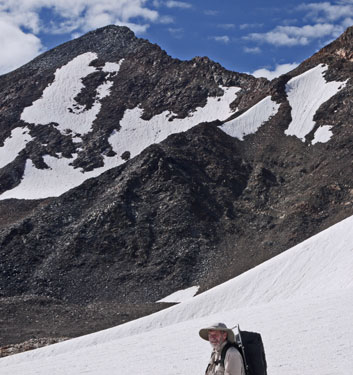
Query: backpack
[252,350]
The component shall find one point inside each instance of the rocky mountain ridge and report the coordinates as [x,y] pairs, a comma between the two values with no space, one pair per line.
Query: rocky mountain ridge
[148,78]
[198,208]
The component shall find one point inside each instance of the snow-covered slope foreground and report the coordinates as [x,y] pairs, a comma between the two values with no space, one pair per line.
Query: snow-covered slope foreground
[301,301]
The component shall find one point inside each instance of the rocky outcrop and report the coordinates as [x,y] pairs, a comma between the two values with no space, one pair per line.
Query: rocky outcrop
[29,345]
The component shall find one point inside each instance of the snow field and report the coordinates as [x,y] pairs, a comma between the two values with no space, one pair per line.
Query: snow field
[250,121]
[297,336]
[301,301]
[59,178]
[52,182]
[57,103]
[306,93]
[13,145]
[181,295]
[136,134]
[323,134]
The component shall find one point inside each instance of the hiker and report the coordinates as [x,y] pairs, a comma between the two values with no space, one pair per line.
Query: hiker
[219,336]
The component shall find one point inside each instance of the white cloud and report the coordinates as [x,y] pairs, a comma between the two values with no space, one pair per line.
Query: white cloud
[176,32]
[226,26]
[211,12]
[76,35]
[166,20]
[327,12]
[178,4]
[347,22]
[79,15]
[97,14]
[64,27]
[324,20]
[253,50]
[136,28]
[222,39]
[271,74]
[14,16]
[294,35]
[249,25]
[17,47]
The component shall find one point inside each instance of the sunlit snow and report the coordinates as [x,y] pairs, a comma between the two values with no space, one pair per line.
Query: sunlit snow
[250,121]
[306,93]
[301,301]
[181,295]
[15,143]
[134,136]
[58,104]
[111,67]
[58,179]
[323,134]
[41,183]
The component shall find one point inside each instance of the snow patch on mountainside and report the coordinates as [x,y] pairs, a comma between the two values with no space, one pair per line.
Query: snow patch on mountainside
[58,104]
[301,301]
[136,134]
[15,143]
[41,183]
[323,134]
[56,180]
[181,295]
[250,121]
[306,93]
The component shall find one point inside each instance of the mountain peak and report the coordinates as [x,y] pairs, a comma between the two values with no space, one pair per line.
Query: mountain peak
[347,35]
[114,30]
[345,44]
[341,47]
[110,43]
[111,35]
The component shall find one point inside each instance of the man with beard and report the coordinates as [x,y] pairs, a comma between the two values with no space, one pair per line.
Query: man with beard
[219,336]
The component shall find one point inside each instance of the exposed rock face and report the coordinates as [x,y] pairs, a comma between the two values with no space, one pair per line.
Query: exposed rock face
[29,345]
[136,231]
[196,209]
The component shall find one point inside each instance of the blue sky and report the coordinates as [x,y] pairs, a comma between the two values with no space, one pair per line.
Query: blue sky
[260,37]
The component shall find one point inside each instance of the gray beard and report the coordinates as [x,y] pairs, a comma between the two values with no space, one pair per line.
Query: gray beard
[216,347]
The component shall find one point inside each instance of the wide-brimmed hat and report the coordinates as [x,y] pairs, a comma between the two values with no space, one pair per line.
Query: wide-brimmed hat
[217,327]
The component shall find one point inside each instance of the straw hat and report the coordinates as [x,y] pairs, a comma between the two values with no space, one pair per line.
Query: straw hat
[217,327]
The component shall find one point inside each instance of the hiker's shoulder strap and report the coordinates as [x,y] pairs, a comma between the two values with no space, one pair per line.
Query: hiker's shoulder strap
[225,349]
[210,362]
